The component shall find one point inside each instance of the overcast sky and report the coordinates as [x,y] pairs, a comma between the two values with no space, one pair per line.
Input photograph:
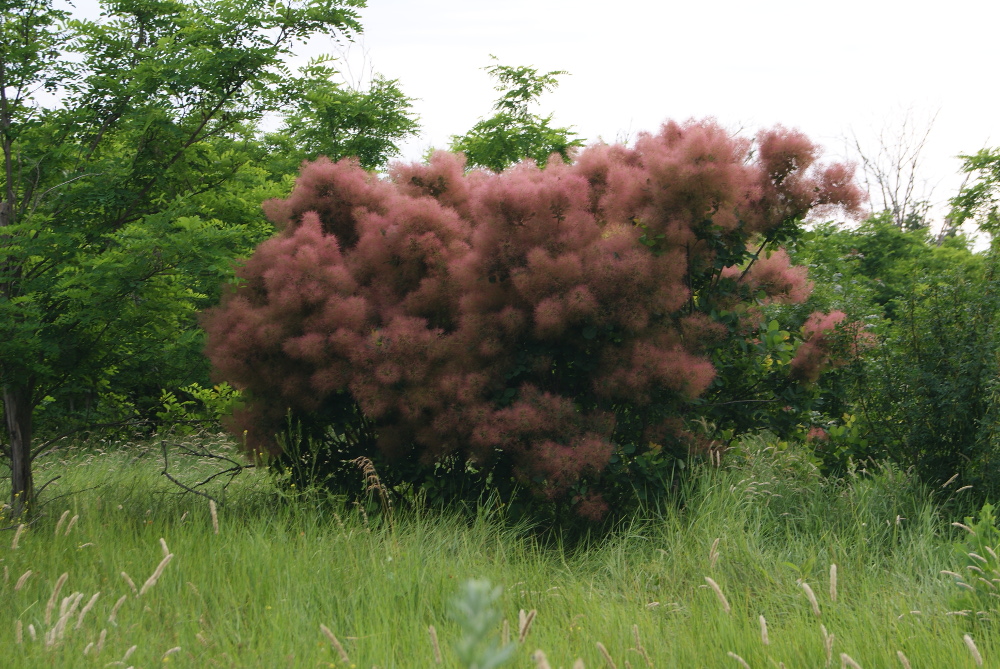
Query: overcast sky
[828,69]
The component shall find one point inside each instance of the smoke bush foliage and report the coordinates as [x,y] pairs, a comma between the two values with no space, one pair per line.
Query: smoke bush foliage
[548,329]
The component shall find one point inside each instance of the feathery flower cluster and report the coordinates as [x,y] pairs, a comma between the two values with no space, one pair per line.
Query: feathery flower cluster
[518,316]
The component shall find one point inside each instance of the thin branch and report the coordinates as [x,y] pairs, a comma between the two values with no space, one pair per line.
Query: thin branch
[165,472]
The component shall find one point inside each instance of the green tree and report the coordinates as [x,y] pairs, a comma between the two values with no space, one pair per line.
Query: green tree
[514,132]
[103,233]
[980,200]
[333,120]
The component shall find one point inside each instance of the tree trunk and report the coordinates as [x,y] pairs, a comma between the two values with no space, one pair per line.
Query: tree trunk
[17,410]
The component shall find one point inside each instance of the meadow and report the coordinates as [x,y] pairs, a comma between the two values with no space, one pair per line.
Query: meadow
[762,562]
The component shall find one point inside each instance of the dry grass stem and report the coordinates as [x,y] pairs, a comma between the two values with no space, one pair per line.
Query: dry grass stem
[130,583]
[971,645]
[763,632]
[17,537]
[833,583]
[526,625]
[21,581]
[718,593]
[540,660]
[151,581]
[434,644]
[72,522]
[639,648]
[607,655]
[86,609]
[743,663]
[59,523]
[847,661]
[335,643]
[215,515]
[54,598]
[812,597]
[373,484]
[114,609]
[902,660]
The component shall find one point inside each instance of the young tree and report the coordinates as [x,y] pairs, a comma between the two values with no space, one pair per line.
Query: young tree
[891,172]
[544,324]
[101,226]
[514,132]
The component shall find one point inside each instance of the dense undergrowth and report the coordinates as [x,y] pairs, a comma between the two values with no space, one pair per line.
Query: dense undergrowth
[762,527]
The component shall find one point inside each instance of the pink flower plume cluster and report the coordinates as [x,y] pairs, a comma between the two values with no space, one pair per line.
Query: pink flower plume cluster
[512,316]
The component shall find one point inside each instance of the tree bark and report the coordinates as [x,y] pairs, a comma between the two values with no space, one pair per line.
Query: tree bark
[18,410]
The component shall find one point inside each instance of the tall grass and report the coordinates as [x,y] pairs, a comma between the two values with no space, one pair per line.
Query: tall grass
[765,529]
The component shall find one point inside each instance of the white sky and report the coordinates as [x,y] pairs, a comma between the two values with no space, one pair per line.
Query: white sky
[828,69]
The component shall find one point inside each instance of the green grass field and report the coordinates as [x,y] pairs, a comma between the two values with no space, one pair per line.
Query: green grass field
[255,593]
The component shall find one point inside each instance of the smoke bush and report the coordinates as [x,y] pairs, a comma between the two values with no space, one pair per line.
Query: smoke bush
[530,323]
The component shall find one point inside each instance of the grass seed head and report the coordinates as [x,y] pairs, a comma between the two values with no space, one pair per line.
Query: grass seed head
[215,515]
[540,660]
[743,663]
[151,581]
[21,581]
[72,522]
[54,598]
[847,661]
[18,633]
[811,596]
[526,625]
[971,645]
[59,524]
[718,593]
[833,583]
[902,660]
[607,656]
[763,632]
[434,644]
[130,583]
[114,609]
[86,609]
[14,545]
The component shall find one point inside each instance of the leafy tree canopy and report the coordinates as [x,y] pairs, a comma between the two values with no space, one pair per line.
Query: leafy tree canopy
[132,175]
